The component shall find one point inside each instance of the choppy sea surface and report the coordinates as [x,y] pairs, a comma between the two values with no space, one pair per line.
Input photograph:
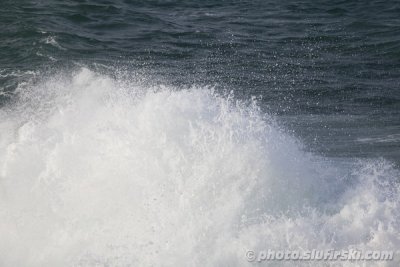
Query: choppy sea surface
[185,133]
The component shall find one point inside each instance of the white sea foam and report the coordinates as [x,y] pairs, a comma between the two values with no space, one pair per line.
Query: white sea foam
[97,171]
[51,40]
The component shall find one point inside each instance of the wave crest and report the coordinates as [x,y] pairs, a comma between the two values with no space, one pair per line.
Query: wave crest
[95,170]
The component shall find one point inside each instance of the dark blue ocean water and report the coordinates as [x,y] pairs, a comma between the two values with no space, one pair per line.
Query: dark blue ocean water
[330,70]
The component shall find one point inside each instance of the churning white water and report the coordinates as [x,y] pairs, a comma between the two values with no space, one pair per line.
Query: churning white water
[96,171]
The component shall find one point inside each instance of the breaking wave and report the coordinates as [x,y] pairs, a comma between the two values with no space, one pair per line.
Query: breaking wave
[97,171]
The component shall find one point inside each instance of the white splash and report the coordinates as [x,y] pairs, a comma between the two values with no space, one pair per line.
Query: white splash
[102,172]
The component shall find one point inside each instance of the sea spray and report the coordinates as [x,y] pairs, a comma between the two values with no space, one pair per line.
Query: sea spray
[95,171]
